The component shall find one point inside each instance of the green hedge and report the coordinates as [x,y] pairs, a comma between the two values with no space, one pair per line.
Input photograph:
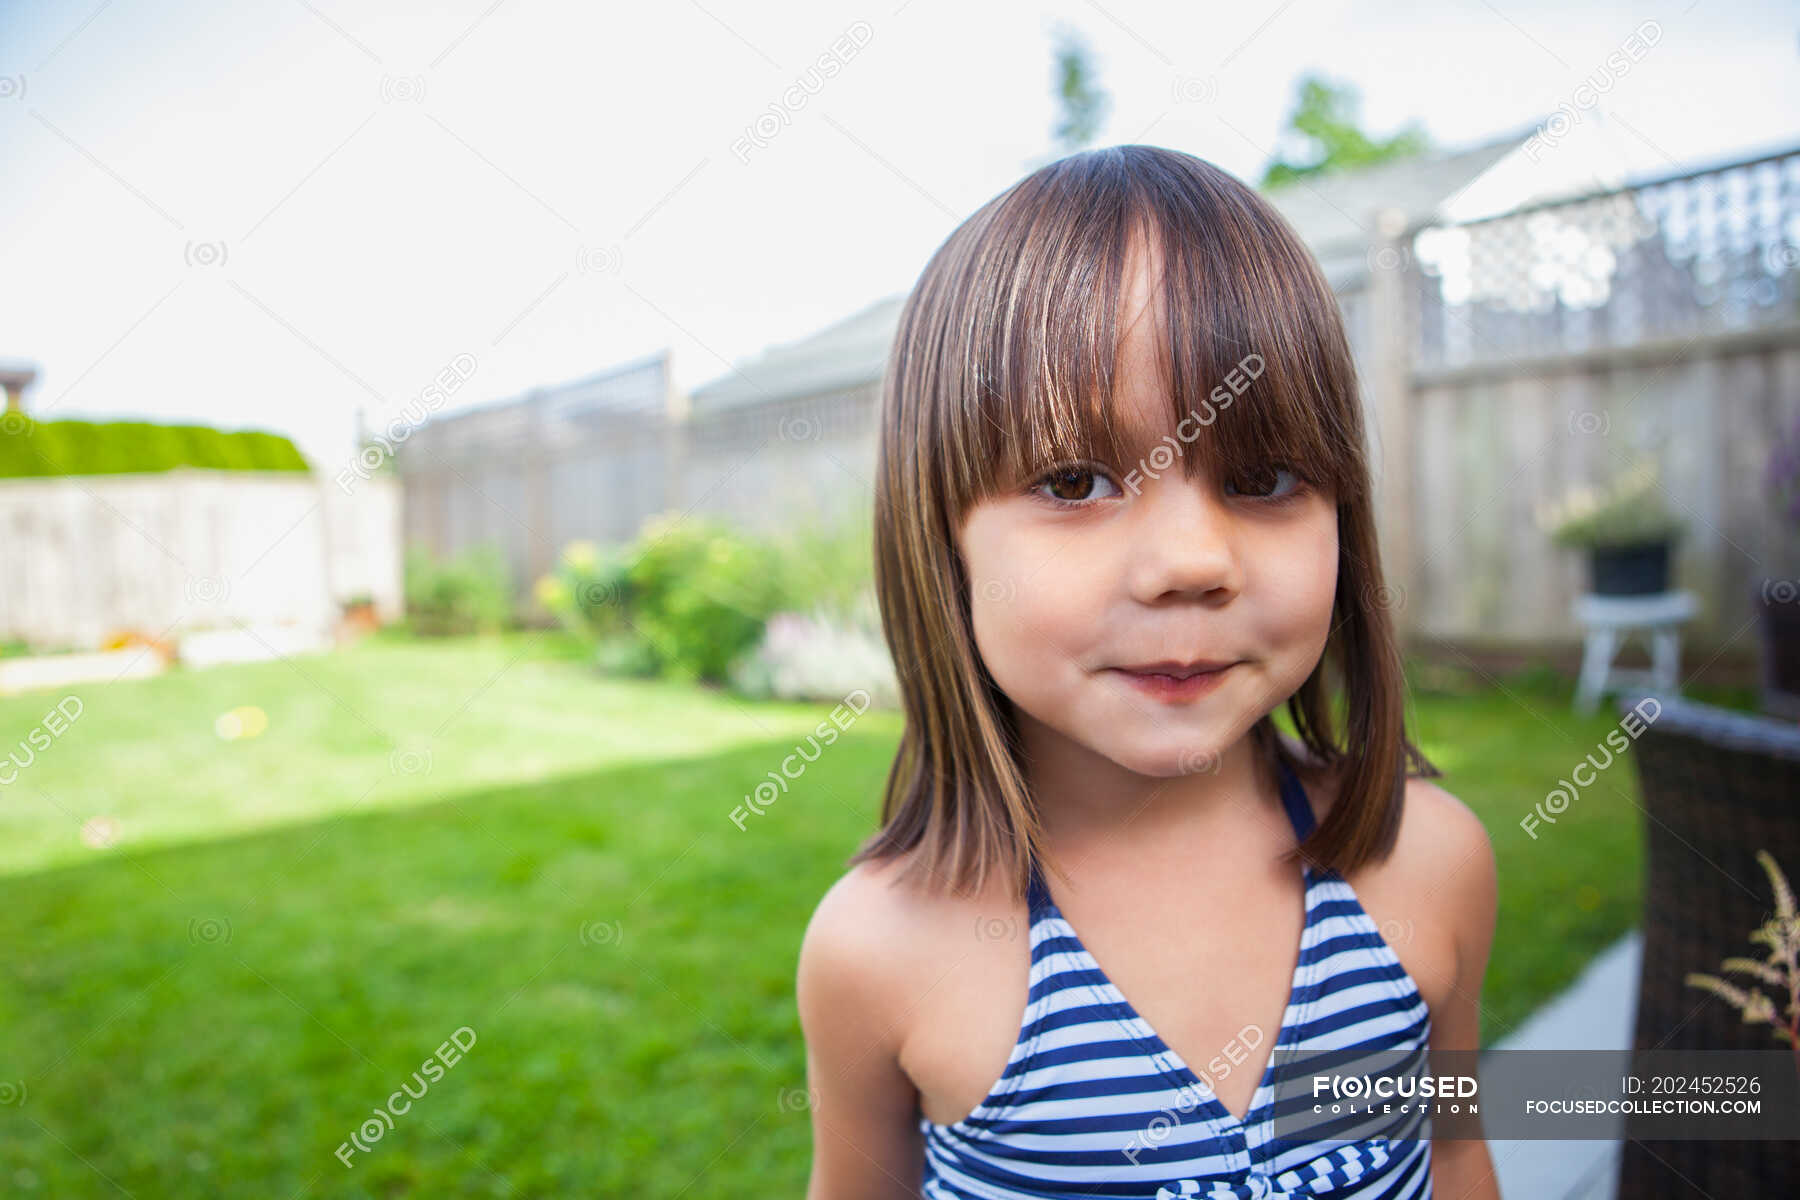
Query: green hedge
[32,448]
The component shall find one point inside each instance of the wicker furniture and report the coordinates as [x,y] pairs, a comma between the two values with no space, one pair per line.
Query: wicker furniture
[1778,614]
[1717,786]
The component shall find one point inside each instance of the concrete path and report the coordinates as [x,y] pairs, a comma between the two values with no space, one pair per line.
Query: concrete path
[1595,1013]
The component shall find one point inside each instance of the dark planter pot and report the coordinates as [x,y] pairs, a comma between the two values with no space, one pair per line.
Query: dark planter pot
[1640,570]
[1778,616]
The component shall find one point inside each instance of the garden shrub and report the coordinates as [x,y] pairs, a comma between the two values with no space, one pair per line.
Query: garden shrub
[684,600]
[698,592]
[691,598]
[828,567]
[469,592]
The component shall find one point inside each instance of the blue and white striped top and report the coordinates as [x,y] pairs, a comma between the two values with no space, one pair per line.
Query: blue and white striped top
[1093,1103]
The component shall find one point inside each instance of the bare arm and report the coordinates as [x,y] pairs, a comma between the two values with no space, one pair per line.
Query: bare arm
[867,1144]
[1462,1168]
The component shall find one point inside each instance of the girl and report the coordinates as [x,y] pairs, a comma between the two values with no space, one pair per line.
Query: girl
[1122,515]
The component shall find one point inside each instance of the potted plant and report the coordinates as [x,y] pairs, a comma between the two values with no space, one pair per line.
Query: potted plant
[1777,598]
[1626,529]
[359,613]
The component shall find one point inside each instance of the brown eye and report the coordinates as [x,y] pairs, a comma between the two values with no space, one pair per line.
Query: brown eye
[1270,481]
[1072,485]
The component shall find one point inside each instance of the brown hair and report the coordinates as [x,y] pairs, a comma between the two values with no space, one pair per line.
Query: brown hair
[1003,365]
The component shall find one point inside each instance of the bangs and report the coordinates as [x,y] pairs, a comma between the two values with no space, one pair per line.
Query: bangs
[1249,342]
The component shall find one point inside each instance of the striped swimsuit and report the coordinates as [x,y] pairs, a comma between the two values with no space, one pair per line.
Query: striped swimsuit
[1094,1103]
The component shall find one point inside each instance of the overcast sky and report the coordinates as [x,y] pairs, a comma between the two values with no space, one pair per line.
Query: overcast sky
[267,213]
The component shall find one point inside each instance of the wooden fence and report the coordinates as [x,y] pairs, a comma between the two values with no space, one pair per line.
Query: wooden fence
[85,558]
[1553,346]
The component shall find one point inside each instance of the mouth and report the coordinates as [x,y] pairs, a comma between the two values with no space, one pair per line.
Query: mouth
[1178,670]
[1175,680]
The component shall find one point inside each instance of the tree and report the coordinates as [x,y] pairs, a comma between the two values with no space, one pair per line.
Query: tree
[1083,104]
[1325,123]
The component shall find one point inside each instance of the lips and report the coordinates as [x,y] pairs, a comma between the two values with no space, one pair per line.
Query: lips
[1177,670]
[1175,682]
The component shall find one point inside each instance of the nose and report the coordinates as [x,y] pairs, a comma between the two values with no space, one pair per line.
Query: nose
[1184,544]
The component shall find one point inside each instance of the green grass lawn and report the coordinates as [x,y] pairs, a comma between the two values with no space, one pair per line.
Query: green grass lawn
[277,931]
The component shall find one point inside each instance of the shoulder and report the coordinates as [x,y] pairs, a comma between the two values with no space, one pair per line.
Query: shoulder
[865,945]
[1439,884]
[1443,846]
[1440,837]
[848,940]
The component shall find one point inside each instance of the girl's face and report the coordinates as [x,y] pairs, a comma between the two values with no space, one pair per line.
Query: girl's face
[1101,567]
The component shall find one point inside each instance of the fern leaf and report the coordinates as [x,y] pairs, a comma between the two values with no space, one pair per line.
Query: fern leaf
[1718,987]
[1784,895]
[1762,970]
[1755,1007]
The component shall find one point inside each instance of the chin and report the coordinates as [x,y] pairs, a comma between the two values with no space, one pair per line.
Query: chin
[1171,762]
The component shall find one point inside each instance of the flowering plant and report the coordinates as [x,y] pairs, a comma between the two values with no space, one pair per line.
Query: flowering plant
[1780,970]
[1627,512]
[821,655]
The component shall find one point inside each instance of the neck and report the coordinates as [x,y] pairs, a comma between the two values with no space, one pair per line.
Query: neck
[1086,800]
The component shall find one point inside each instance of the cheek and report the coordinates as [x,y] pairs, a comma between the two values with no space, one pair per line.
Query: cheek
[1026,614]
[1013,617]
[1299,587]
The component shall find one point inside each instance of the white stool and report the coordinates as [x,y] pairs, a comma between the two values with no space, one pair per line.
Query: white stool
[1607,619]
